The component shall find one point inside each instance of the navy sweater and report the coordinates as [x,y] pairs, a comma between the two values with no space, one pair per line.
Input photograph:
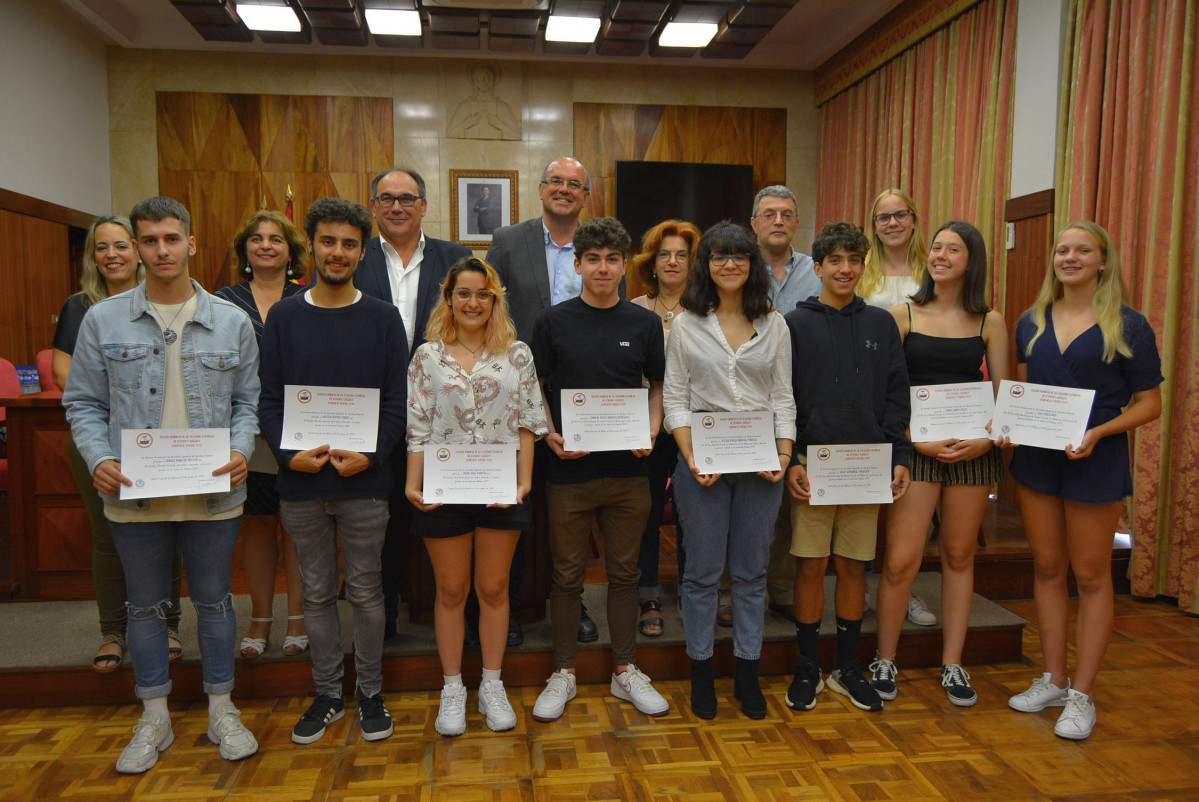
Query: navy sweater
[360,345]
[849,377]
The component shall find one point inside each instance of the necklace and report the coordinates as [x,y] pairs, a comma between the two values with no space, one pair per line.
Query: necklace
[669,310]
[169,333]
[473,351]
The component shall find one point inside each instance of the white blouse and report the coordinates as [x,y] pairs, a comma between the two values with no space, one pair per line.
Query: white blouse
[491,404]
[703,374]
[895,290]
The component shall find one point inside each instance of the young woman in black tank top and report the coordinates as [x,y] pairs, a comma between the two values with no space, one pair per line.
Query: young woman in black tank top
[947,329]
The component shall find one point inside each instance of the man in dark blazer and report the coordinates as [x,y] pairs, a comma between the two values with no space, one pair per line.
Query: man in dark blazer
[536,262]
[404,267]
[387,269]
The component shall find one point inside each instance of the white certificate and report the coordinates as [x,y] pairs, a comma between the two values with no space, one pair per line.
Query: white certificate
[1042,414]
[952,411]
[605,420]
[341,417]
[470,474]
[173,462]
[734,442]
[850,474]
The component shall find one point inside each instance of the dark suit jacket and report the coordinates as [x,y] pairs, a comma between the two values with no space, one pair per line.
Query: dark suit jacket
[371,277]
[518,254]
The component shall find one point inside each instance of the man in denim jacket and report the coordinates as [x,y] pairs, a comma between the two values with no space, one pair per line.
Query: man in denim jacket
[167,355]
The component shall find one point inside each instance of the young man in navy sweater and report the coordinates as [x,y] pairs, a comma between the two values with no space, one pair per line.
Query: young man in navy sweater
[334,336]
[851,386]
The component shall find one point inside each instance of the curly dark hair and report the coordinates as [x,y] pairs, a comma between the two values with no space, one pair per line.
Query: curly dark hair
[338,210]
[701,296]
[601,232]
[839,235]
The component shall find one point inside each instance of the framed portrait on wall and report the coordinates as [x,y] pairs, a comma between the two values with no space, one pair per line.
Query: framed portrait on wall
[483,200]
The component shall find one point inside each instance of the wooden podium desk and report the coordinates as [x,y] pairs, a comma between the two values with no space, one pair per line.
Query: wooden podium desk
[50,533]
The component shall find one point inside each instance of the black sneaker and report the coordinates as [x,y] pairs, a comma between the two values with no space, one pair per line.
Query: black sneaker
[882,678]
[807,683]
[320,714]
[847,679]
[373,717]
[957,685]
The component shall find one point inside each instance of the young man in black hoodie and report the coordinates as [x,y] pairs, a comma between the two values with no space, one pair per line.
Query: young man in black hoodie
[851,386]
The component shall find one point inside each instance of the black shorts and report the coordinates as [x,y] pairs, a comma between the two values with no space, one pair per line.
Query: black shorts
[261,498]
[451,520]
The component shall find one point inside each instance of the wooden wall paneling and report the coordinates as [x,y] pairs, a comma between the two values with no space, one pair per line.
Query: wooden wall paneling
[35,272]
[64,539]
[51,468]
[295,136]
[12,272]
[1032,216]
[345,123]
[378,134]
[46,264]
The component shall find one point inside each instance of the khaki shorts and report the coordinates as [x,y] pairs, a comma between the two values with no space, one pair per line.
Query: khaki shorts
[850,529]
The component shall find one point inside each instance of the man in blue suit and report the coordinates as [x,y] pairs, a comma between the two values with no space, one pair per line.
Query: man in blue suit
[403,267]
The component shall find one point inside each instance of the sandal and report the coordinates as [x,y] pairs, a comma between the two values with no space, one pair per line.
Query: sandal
[646,624]
[108,663]
[295,644]
[252,648]
[174,652]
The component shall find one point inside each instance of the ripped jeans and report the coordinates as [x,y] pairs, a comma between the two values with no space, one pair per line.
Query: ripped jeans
[147,550]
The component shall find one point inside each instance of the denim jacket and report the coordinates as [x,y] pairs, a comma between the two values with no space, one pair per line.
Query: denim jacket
[118,375]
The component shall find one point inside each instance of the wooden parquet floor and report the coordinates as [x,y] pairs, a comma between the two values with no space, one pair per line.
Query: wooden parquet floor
[1145,747]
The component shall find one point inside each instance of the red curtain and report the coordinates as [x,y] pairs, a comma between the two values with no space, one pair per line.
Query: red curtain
[1129,160]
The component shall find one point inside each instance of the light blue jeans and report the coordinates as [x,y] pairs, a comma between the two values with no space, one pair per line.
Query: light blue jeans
[147,552]
[316,527]
[730,522]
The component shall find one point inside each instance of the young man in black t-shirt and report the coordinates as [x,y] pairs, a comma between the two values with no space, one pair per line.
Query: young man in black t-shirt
[597,341]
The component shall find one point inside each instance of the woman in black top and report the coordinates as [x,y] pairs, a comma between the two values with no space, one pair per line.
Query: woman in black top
[110,267]
[947,330]
[270,252]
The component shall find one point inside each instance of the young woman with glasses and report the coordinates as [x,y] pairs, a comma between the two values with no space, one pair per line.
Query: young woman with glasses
[729,352]
[472,382]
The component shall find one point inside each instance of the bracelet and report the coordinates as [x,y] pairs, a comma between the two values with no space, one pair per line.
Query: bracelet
[781,454]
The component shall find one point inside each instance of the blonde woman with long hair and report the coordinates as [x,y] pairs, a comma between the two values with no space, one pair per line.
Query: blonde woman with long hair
[472,382]
[895,267]
[1080,333]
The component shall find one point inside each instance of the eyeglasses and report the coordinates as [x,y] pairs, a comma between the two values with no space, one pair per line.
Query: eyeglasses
[679,256]
[406,201]
[484,296]
[722,259]
[557,183]
[770,215]
[901,216]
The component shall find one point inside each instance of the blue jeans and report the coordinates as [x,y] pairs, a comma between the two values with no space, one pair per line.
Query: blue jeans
[315,528]
[732,521]
[147,551]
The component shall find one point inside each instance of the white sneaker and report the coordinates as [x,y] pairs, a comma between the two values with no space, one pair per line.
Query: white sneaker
[226,731]
[1078,719]
[559,689]
[1040,695]
[918,612]
[493,703]
[633,686]
[451,715]
[151,735]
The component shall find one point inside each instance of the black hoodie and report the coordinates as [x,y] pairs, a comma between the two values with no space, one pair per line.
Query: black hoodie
[849,377]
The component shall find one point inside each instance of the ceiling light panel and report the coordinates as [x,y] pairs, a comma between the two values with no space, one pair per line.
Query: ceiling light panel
[389,22]
[268,18]
[572,29]
[687,34]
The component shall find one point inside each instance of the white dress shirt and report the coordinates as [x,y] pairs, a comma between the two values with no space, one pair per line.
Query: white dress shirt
[405,282]
[704,374]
